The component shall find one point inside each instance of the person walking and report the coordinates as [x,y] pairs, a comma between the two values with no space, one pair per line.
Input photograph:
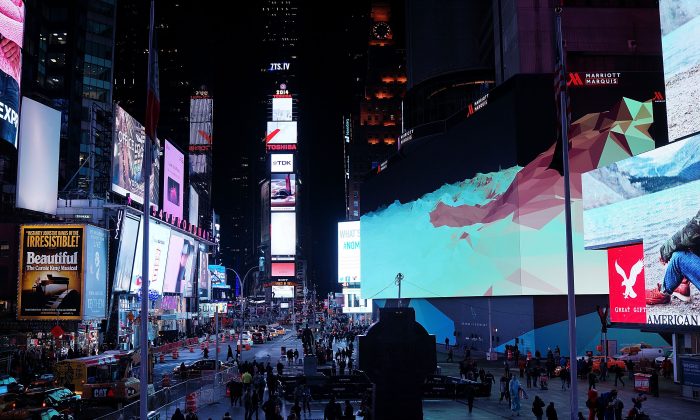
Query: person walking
[551,412]
[619,374]
[348,410]
[449,355]
[592,379]
[191,415]
[447,343]
[515,390]
[177,415]
[538,407]
[470,397]
[306,399]
[229,353]
[504,389]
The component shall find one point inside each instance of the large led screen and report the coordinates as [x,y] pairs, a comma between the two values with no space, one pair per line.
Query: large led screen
[127,159]
[349,252]
[283,191]
[217,276]
[12,31]
[193,215]
[281,109]
[39,145]
[281,132]
[283,232]
[282,292]
[179,265]
[51,272]
[173,180]
[281,162]
[187,282]
[680,30]
[159,239]
[282,269]
[654,199]
[501,232]
[95,289]
[128,235]
[203,280]
[201,129]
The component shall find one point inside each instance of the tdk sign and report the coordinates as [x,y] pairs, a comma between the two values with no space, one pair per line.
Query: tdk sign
[283,163]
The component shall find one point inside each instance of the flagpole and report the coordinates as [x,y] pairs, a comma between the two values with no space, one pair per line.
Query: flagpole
[571,293]
[145,359]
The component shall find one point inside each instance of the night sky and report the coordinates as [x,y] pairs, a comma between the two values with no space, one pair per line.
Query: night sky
[324,95]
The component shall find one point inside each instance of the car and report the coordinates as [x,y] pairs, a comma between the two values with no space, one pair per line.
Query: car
[597,360]
[58,398]
[42,382]
[8,402]
[280,330]
[198,368]
[246,339]
[10,384]
[636,354]
[258,338]
[35,414]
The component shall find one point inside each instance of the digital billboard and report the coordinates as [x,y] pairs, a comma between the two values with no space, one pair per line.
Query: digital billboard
[281,109]
[653,199]
[12,32]
[51,272]
[159,239]
[173,180]
[281,292]
[203,282]
[283,269]
[281,132]
[127,159]
[349,252]
[39,147]
[201,129]
[354,304]
[680,22]
[283,191]
[178,271]
[497,233]
[95,290]
[281,162]
[193,215]
[186,282]
[128,235]
[217,276]
[283,233]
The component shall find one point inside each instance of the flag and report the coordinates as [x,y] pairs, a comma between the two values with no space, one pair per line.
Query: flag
[560,84]
[153,98]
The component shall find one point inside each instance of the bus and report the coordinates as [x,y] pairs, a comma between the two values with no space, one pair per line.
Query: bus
[103,378]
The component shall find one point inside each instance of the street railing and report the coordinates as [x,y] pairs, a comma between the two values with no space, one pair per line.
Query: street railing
[192,393]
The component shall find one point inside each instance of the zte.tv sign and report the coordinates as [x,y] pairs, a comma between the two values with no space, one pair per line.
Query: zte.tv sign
[281,163]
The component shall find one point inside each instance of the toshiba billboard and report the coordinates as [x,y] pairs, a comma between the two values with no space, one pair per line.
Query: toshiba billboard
[281,163]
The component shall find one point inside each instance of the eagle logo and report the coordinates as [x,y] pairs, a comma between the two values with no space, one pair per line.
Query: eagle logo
[631,280]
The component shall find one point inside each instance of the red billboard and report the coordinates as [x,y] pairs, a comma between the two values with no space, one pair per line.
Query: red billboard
[283,269]
[626,278]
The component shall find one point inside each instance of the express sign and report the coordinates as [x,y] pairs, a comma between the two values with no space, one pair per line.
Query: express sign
[282,163]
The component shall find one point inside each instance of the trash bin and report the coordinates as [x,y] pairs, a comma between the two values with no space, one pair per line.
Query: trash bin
[641,382]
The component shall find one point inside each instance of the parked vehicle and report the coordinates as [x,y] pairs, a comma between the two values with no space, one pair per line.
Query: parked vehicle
[197,369]
[10,384]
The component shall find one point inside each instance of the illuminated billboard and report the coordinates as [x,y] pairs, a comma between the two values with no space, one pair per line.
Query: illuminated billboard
[203,281]
[281,162]
[281,109]
[186,282]
[349,252]
[128,235]
[281,132]
[12,31]
[217,276]
[283,269]
[201,129]
[127,159]
[283,232]
[39,146]
[652,199]
[159,239]
[680,22]
[283,191]
[173,181]
[193,215]
[282,292]
[51,262]
[353,302]
[178,271]
[95,289]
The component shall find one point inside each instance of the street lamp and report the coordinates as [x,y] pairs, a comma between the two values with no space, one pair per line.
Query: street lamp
[243,305]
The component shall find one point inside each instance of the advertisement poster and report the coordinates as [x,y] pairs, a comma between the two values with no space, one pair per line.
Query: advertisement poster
[186,280]
[201,126]
[128,234]
[283,191]
[281,132]
[283,233]
[654,198]
[127,159]
[281,292]
[349,252]
[95,291]
[626,274]
[281,162]
[159,238]
[51,272]
[283,269]
[203,277]
[680,22]
[176,252]
[173,180]
[12,33]
[217,276]
[281,109]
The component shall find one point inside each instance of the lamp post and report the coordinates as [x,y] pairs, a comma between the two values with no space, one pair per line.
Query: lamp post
[243,306]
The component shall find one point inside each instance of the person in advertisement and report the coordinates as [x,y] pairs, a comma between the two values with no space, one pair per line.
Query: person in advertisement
[681,256]
[11,34]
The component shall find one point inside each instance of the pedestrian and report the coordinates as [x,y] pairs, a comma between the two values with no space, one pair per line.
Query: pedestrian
[562,376]
[619,375]
[449,355]
[177,415]
[592,403]
[191,415]
[306,399]
[447,343]
[280,368]
[503,386]
[470,397]
[206,352]
[296,409]
[654,384]
[515,390]
[538,407]
[227,416]
[618,406]
[229,353]
[551,412]
[580,416]
[348,410]
[332,410]
[603,370]
[592,379]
